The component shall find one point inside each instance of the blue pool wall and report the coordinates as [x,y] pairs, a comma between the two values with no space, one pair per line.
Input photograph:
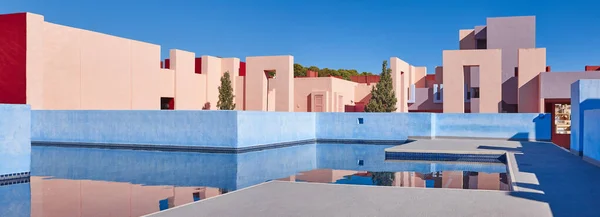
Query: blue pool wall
[585,95]
[514,126]
[243,129]
[591,136]
[373,126]
[254,128]
[15,143]
[193,128]
[15,200]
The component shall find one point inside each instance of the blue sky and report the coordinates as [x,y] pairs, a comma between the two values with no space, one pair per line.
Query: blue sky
[352,34]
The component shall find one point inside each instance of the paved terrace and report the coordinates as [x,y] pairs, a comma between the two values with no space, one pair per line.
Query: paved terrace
[549,182]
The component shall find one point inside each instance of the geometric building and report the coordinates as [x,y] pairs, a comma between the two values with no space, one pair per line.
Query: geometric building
[496,69]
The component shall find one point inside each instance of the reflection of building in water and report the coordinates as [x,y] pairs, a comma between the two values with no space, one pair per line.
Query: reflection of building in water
[324,175]
[65,198]
[445,179]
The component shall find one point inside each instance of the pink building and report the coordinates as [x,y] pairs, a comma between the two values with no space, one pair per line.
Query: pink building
[496,69]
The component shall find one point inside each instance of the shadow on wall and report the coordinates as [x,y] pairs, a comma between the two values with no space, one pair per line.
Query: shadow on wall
[541,130]
[577,134]
[548,174]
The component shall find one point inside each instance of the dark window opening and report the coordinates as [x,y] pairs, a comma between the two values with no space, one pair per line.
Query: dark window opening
[196,196]
[361,121]
[167,103]
[468,95]
[475,91]
[516,71]
[481,44]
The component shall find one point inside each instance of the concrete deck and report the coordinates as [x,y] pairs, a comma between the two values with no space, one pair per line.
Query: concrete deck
[456,146]
[551,182]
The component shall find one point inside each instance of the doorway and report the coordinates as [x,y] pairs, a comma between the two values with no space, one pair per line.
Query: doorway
[560,109]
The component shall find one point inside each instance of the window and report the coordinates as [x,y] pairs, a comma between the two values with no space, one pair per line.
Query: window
[562,118]
[475,92]
[481,44]
[167,103]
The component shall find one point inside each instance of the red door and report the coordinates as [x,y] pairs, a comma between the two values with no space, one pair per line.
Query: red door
[561,121]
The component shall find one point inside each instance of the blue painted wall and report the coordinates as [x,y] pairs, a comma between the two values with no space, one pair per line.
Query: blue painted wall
[232,129]
[256,128]
[15,200]
[591,134]
[193,128]
[15,143]
[518,126]
[375,126]
[585,95]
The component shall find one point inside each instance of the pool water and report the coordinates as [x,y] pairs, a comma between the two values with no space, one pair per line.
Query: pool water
[112,182]
[440,179]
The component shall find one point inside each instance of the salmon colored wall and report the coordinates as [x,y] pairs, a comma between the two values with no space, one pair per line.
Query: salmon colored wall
[256,88]
[439,75]
[420,74]
[303,88]
[239,92]
[362,93]
[62,64]
[13,47]
[466,39]
[145,76]
[343,88]
[167,83]
[532,62]
[489,62]
[400,79]
[212,70]
[35,61]
[190,93]
[105,71]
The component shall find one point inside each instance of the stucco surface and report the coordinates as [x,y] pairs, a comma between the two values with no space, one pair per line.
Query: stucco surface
[15,142]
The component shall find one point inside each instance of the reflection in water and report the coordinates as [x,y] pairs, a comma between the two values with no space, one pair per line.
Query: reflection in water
[65,197]
[103,182]
[440,179]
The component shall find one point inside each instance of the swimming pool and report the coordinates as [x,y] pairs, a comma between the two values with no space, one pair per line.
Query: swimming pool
[116,182]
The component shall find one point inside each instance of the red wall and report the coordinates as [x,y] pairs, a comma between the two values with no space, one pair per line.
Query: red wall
[242,68]
[167,64]
[13,58]
[365,79]
[198,65]
[592,68]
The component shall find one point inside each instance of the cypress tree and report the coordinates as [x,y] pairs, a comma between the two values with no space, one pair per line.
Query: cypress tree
[226,93]
[383,98]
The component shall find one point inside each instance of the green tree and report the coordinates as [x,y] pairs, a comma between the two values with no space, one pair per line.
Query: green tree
[383,98]
[226,93]
[383,178]
[299,70]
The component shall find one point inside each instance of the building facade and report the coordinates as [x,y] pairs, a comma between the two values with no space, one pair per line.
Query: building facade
[498,68]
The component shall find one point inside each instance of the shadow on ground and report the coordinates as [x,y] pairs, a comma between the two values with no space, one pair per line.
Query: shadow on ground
[570,185]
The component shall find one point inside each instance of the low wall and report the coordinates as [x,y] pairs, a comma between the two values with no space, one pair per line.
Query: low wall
[255,128]
[591,136]
[180,128]
[373,126]
[15,143]
[222,129]
[249,130]
[513,126]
